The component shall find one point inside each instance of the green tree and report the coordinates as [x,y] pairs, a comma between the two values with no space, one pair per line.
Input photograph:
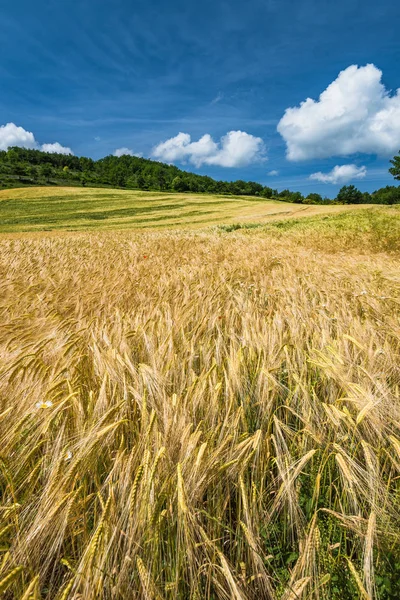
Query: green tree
[32,172]
[367,199]
[45,171]
[296,197]
[162,183]
[395,170]
[178,184]
[13,155]
[387,195]
[349,194]
[19,169]
[267,192]
[314,198]
[141,182]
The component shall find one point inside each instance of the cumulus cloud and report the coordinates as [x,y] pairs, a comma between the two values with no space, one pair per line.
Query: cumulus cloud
[12,135]
[341,174]
[56,148]
[235,149]
[273,173]
[354,114]
[127,152]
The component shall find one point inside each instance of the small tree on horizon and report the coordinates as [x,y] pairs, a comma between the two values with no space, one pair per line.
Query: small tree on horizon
[314,198]
[349,194]
[395,170]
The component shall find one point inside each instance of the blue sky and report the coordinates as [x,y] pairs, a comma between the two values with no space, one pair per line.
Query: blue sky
[98,76]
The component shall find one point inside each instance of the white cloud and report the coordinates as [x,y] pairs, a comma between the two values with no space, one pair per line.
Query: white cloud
[56,148]
[123,152]
[235,149]
[354,114]
[126,152]
[273,173]
[12,135]
[340,174]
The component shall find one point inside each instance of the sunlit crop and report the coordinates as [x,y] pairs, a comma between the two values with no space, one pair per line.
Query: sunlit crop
[199,416]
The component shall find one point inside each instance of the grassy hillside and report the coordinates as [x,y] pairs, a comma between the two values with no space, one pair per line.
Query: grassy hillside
[25,167]
[38,209]
[366,231]
[199,415]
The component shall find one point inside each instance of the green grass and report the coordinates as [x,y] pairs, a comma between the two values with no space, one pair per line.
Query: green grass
[369,229]
[44,209]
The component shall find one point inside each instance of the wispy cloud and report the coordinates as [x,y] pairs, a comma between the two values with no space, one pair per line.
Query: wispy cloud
[217,98]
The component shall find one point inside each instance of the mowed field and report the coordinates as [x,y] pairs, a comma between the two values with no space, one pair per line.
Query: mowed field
[200,414]
[45,208]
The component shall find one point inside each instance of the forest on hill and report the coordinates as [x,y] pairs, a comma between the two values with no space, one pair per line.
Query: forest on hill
[26,167]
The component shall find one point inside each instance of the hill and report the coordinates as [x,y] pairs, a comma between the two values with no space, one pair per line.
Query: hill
[21,167]
[49,208]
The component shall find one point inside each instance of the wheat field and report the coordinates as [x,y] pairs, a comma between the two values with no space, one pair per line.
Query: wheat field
[202,415]
[73,209]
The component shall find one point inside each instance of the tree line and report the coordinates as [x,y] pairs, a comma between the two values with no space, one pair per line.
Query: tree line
[25,167]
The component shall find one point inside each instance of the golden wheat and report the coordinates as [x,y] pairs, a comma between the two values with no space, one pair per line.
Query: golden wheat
[197,415]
